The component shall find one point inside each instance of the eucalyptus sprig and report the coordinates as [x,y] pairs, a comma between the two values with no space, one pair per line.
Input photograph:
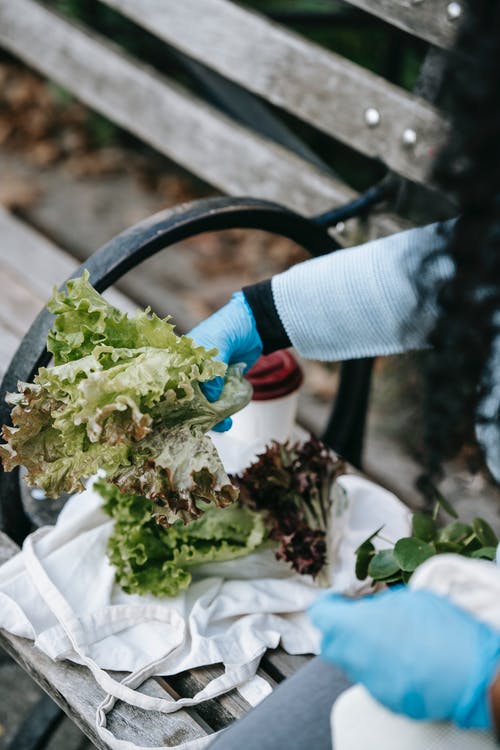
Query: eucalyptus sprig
[396,564]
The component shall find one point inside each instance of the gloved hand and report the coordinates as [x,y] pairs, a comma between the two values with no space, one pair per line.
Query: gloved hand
[233,332]
[415,652]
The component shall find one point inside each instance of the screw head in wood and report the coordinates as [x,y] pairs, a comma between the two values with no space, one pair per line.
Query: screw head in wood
[409,137]
[372,117]
[453,11]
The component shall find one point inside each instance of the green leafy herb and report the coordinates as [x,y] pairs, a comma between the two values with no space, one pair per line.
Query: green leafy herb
[455,532]
[445,504]
[364,555]
[383,565]
[484,532]
[124,396]
[396,565]
[423,527]
[484,553]
[409,553]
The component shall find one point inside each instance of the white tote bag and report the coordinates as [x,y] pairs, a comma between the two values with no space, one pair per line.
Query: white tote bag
[60,592]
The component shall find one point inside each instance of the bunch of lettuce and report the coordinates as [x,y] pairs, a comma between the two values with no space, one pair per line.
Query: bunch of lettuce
[124,396]
[151,559]
[290,485]
[284,501]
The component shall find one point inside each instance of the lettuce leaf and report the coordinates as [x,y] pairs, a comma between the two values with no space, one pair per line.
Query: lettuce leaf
[124,396]
[151,559]
[290,484]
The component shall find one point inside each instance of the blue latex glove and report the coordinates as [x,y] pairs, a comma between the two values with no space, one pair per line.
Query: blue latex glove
[415,652]
[233,332]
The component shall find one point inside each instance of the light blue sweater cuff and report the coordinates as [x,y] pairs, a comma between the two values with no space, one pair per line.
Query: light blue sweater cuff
[362,301]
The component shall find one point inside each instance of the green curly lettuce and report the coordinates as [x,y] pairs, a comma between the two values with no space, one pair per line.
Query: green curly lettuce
[124,396]
[151,559]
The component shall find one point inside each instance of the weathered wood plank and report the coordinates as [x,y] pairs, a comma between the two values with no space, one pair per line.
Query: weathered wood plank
[35,265]
[432,21]
[38,263]
[279,664]
[30,267]
[322,88]
[220,711]
[8,345]
[72,688]
[19,305]
[162,113]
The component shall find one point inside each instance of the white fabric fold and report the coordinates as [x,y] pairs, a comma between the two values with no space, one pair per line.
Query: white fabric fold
[60,592]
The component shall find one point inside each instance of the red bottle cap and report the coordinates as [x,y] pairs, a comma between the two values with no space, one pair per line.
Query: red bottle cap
[275,375]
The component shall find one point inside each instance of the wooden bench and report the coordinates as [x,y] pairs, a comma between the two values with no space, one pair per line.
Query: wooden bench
[242,57]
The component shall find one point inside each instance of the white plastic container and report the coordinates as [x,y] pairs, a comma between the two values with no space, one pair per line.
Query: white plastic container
[270,415]
[265,421]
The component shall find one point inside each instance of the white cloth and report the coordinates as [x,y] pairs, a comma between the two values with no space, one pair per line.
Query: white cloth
[473,585]
[359,721]
[60,592]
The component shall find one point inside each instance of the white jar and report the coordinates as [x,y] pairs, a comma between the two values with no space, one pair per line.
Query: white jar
[270,415]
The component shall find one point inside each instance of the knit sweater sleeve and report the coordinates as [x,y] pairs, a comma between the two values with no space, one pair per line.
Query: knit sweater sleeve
[358,302]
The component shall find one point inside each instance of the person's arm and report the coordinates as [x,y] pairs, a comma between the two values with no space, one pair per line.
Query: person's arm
[359,302]
[416,652]
[352,303]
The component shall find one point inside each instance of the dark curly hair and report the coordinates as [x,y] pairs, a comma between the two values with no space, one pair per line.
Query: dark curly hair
[468,166]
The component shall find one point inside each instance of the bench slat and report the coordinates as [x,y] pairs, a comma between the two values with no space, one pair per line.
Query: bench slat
[39,263]
[19,306]
[322,88]
[8,345]
[173,121]
[72,688]
[283,664]
[30,267]
[223,709]
[429,21]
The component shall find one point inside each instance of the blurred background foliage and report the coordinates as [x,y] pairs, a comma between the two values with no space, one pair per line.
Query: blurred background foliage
[334,25]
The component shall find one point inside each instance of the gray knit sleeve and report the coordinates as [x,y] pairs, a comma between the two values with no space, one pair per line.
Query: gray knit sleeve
[362,301]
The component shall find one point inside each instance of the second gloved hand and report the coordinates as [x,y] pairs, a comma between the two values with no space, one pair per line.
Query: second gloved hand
[233,332]
[414,651]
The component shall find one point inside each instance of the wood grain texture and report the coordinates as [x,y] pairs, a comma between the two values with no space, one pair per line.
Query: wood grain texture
[324,89]
[39,264]
[161,113]
[75,691]
[220,711]
[426,19]
[279,664]
[19,305]
[30,267]
[8,345]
